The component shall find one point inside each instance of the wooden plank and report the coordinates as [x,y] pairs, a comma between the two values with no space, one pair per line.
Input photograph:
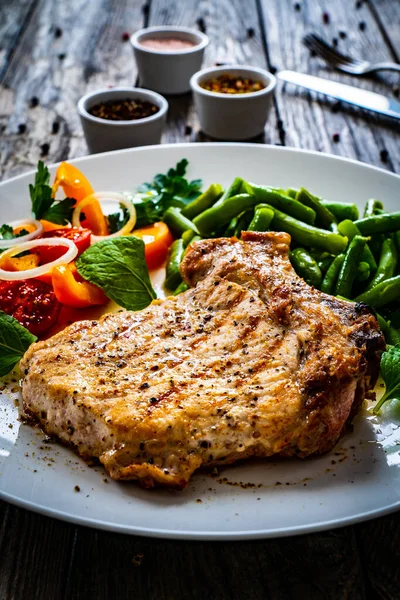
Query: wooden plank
[35,553]
[309,119]
[14,17]
[235,37]
[387,15]
[314,567]
[66,50]
[379,542]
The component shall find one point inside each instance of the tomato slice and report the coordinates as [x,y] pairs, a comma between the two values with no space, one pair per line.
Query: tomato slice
[157,239]
[79,235]
[32,302]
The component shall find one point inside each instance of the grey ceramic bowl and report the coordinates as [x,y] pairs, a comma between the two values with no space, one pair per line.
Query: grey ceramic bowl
[102,135]
[168,71]
[233,116]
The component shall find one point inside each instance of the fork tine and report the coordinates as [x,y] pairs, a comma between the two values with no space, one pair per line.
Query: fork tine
[317,44]
[322,52]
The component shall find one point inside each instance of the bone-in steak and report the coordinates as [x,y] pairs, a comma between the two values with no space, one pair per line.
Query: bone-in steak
[250,361]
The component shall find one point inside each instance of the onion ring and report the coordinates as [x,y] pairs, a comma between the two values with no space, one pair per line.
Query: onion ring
[69,255]
[113,197]
[23,238]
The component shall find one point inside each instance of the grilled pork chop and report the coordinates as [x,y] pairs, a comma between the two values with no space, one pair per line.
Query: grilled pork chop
[250,361]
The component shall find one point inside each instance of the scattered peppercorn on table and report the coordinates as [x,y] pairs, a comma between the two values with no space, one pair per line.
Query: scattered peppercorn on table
[52,54]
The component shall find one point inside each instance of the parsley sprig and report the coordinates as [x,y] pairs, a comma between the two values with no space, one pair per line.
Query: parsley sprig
[44,206]
[166,190]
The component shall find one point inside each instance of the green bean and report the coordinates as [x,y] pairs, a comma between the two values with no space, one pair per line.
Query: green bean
[371,208]
[284,203]
[324,217]
[385,223]
[306,266]
[387,263]
[204,201]
[342,210]
[307,235]
[243,222]
[173,274]
[329,281]
[375,245]
[325,263]
[233,190]
[220,214]
[196,238]
[262,219]
[291,192]
[177,222]
[363,272]
[349,268]
[182,287]
[385,292]
[392,336]
[350,230]
[187,236]
[230,230]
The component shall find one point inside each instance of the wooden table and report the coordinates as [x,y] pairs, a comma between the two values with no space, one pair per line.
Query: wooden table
[51,54]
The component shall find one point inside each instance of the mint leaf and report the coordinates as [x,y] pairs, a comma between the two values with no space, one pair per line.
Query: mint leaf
[119,268]
[41,192]
[14,341]
[60,212]
[390,371]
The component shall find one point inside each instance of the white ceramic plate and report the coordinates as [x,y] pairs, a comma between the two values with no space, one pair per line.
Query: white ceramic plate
[358,480]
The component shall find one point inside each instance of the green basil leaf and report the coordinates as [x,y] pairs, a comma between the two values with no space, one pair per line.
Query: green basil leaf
[60,212]
[14,341]
[390,371]
[119,268]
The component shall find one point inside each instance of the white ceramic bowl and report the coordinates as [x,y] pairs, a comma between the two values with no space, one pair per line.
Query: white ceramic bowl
[102,135]
[233,116]
[168,71]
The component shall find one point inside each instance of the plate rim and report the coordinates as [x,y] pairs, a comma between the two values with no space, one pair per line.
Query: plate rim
[190,534]
[199,535]
[283,149]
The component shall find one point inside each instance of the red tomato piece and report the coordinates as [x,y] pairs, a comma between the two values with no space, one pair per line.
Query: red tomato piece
[79,235]
[32,302]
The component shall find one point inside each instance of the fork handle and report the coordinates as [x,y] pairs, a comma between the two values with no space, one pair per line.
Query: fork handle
[386,66]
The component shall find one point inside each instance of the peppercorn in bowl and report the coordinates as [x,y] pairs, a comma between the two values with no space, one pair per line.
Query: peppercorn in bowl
[233,103]
[122,117]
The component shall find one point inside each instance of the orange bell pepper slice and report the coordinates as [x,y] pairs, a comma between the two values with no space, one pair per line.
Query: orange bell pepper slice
[23,263]
[72,292]
[75,185]
[157,239]
[48,226]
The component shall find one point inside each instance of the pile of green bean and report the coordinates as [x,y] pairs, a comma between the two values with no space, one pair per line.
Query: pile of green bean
[332,248]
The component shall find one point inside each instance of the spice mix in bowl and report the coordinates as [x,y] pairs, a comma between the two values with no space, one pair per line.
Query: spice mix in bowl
[167,57]
[233,102]
[122,117]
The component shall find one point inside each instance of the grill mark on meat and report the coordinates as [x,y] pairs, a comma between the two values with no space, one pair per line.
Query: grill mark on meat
[257,365]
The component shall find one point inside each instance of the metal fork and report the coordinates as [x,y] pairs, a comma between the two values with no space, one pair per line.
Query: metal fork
[341,62]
